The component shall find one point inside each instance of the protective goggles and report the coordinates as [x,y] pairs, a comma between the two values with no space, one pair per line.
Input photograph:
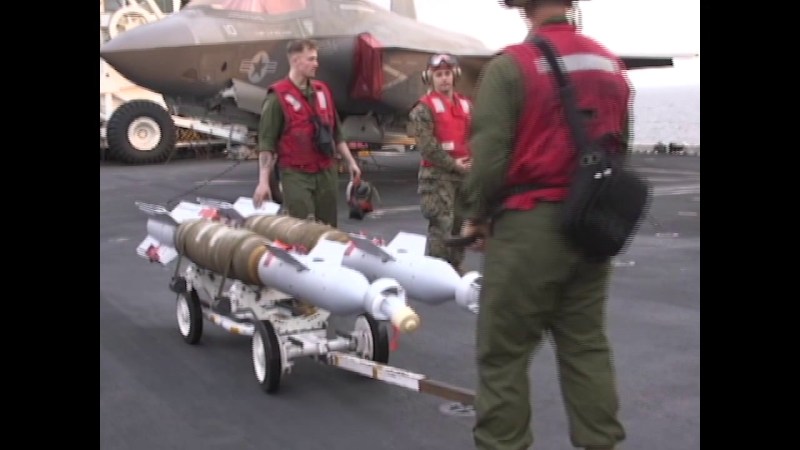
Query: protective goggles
[520,3]
[442,60]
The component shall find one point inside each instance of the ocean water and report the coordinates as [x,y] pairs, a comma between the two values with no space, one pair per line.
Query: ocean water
[667,114]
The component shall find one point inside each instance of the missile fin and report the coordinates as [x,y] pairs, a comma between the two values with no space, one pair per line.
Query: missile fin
[152,250]
[244,206]
[408,243]
[328,251]
[224,209]
[369,247]
[214,203]
[186,210]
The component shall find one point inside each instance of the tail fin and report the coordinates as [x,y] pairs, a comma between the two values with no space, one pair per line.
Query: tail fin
[405,8]
[154,251]
[244,206]
[369,247]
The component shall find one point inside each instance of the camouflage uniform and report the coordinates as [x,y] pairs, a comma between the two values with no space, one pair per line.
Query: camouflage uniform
[439,188]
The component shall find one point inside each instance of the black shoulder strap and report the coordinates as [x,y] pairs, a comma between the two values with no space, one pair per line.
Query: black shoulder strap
[567,92]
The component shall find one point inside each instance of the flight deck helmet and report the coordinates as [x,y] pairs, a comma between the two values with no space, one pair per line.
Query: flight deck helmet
[441,61]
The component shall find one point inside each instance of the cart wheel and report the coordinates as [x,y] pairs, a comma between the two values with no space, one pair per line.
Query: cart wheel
[190,317]
[374,344]
[267,356]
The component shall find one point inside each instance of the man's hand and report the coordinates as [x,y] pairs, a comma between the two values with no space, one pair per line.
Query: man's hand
[262,193]
[355,171]
[480,230]
[464,164]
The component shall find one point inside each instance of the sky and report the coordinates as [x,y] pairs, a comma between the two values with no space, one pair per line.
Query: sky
[625,26]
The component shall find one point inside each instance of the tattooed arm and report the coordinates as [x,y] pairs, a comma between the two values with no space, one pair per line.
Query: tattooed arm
[269,129]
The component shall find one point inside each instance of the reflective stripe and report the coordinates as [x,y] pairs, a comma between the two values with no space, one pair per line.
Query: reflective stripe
[465,105]
[323,102]
[293,101]
[579,62]
[438,105]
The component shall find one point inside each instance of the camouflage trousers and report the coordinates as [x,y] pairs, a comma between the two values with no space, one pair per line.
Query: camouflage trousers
[437,204]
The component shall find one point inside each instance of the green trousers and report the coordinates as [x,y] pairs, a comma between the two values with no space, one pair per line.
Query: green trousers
[437,204]
[311,195]
[534,283]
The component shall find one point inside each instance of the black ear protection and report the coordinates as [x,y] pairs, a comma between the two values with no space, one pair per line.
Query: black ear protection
[437,60]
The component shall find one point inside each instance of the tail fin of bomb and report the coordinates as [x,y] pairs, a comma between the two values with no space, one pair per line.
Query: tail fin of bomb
[151,209]
[241,209]
[154,251]
[369,247]
[158,245]
[408,243]
[327,251]
[244,207]
[214,203]
[468,291]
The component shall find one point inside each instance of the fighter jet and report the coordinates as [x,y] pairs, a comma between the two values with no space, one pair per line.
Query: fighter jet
[215,59]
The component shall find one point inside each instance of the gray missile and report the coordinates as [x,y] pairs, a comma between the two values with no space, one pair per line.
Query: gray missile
[426,279]
[318,278]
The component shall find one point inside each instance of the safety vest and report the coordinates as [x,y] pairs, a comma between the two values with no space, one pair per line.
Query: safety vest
[544,153]
[296,146]
[451,121]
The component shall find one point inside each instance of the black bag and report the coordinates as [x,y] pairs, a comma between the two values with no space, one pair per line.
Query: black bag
[606,200]
[323,136]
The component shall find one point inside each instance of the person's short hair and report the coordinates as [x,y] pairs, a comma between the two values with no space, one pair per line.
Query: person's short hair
[300,45]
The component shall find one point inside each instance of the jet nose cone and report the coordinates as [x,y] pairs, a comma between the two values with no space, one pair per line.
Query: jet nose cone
[154,55]
[170,32]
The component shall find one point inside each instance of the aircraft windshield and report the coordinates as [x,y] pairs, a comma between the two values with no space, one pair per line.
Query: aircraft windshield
[382,4]
[255,6]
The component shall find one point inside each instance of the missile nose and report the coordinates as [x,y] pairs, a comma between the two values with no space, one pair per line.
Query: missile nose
[406,320]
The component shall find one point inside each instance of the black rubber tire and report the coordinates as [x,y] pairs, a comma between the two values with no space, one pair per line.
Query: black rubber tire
[380,339]
[120,147]
[195,320]
[272,356]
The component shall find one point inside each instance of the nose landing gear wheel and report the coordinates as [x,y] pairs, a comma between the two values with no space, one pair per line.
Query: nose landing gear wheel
[266,356]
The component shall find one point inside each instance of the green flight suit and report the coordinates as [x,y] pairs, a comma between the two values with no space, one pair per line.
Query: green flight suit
[534,284]
[439,187]
[305,195]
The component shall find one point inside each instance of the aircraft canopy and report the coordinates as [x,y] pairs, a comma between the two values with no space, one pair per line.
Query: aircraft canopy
[254,6]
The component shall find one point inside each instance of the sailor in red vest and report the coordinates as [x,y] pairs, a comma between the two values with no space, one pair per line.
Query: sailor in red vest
[440,123]
[534,283]
[300,127]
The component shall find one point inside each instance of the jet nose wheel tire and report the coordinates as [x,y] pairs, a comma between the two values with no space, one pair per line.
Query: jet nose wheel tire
[190,317]
[266,356]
